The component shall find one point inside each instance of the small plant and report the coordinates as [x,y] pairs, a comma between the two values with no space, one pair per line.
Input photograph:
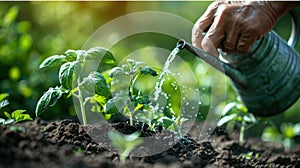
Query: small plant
[15,116]
[124,143]
[285,135]
[139,101]
[17,129]
[250,155]
[77,79]
[236,114]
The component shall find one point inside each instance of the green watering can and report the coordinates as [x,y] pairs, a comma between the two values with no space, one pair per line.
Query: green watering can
[268,78]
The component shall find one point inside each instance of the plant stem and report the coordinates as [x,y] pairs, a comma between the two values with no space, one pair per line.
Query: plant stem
[82,109]
[242,132]
[130,118]
[122,158]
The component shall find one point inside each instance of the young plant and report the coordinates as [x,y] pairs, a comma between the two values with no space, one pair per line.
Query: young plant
[124,143]
[130,100]
[236,114]
[77,78]
[15,116]
[250,155]
[286,134]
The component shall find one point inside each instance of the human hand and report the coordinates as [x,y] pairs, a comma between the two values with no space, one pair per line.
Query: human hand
[234,27]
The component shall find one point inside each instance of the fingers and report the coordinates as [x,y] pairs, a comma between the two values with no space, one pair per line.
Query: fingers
[203,24]
[214,37]
[231,40]
[244,43]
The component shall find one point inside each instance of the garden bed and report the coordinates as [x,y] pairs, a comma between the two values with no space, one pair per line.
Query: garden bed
[65,143]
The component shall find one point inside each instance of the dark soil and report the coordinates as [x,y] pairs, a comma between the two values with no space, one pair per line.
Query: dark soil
[66,143]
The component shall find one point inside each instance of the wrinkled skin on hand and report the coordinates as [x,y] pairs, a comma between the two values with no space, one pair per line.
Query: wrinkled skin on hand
[234,27]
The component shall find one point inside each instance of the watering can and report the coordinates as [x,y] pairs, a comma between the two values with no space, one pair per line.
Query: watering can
[267,79]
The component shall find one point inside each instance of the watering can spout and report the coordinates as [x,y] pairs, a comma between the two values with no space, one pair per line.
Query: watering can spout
[239,79]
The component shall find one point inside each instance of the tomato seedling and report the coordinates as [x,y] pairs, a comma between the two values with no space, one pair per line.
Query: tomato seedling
[124,143]
[286,134]
[236,113]
[76,78]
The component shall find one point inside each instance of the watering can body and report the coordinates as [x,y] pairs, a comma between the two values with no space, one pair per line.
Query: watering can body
[267,79]
[272,73]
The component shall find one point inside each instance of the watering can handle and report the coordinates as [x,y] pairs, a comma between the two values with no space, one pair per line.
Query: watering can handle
[295,19]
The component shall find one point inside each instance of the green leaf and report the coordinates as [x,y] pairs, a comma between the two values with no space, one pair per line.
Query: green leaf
[96,83]
[287,129]
[271,134]
[116,104]
[10,16]
[66,75]
[165,121]
[7,115]
[9,121]
[139,106]
[116,71]
[55,60]
[73,55]
[226,119]
[18,116]
[3,103]
[242,108]
[134,63]
[124,143]
[99,53]
[229,107]
[3,96]
[249,118]
[101,100]
[147,70]
[48,99]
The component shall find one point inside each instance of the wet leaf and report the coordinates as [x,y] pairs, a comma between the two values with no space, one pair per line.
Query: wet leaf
[116,71]
[116,104]
[96,83]
[101,54]
[48,99]
[55,60]
[72,55]
[66,75]
[147,70]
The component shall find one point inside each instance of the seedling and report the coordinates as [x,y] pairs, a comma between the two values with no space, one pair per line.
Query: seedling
[250,155]
[124,143]
[75,78]
[131,100]
[235,113]
[285,135]
[15,116]
[17,129]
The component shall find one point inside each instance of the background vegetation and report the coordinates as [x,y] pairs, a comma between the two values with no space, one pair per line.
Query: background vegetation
[32,31]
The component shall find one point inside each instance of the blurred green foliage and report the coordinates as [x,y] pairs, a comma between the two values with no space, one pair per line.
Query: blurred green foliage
[32,31]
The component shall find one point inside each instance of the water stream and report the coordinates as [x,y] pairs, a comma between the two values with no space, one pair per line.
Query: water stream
[158,86]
